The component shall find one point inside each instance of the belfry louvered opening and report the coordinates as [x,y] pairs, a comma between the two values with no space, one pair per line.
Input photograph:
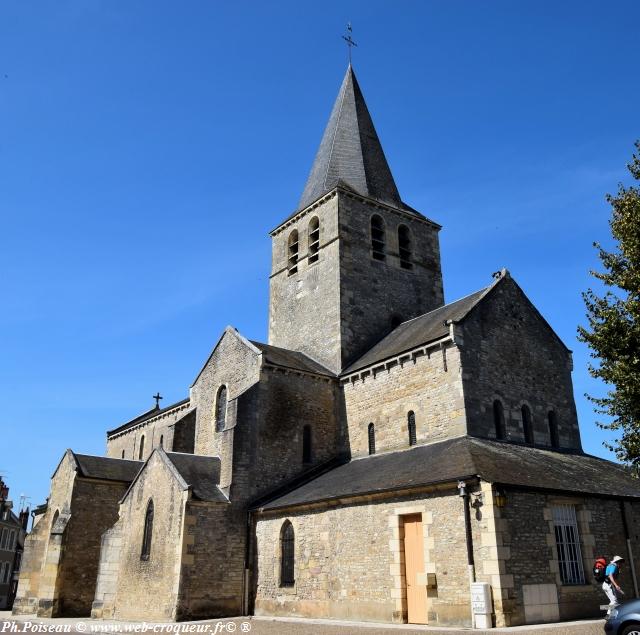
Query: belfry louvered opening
[377,238]
[404,247]
[292,252]
[314,239]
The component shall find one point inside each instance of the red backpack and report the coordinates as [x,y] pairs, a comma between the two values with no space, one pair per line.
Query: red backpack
[599,569]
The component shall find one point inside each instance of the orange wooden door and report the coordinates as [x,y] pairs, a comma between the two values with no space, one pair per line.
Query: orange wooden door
[413,565]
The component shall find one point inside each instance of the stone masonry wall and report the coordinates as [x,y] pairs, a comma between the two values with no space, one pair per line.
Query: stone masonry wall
[126,444]
[428,384]
[39,583]
[271,418]
[236,365]
[374,293]
[212,561]
[94,509]
[509,353]
[304,308]
[148,589]
[349,560]
[103,606]
[528,532]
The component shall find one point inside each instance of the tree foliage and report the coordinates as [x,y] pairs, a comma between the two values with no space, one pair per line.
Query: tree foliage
[613,333]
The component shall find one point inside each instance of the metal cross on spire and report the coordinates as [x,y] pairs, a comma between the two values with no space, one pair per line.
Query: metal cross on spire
[157,397]
[347,38]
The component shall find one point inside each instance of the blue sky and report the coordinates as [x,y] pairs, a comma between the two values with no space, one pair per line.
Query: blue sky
[146,149]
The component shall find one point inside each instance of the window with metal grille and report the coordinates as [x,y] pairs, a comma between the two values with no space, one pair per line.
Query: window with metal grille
[314,239]
[554,437]
[411,424]
[377,238]
[141,451]
[221,408]
[372,439]
[292,252]
[527,426]
[287,555]
[498,419]
[568,544]
[147,533]
[404,247]
[306,444]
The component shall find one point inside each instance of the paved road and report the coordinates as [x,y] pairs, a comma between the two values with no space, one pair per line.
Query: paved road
[280,626]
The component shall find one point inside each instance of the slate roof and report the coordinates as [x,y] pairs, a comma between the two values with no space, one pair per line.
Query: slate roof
[291,359]
[350,153]
[202,473]
[420,330]
[146,415]
[464,457]
[106,468]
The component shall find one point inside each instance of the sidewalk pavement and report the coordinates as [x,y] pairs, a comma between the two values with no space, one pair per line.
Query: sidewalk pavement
[292,626]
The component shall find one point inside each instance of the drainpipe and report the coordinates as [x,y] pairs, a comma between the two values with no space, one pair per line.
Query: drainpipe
[625,523]
[462,490]
[246,573]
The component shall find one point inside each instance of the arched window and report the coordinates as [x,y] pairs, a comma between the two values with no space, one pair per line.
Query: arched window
[221,408]
[377,238]
[141,451]
[527,426]
[148,532]
[554,436]
[411,425]
[292,252]
[372,439]
[287,554]
[498,420]
[123,454]
[306,444]
[314,239]
[162,440]
[404,247]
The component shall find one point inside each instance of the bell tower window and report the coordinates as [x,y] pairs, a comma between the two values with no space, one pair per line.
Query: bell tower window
[221,409]
[292,252]
[372,438]
[404,247]
[314,239]
[411,425]
[377,238]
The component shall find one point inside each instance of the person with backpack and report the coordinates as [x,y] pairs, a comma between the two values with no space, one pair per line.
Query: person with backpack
[610,584]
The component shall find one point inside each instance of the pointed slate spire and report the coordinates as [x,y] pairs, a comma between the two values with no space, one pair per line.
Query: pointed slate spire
[350,152]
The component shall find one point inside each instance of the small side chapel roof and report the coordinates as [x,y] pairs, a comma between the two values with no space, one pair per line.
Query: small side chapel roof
[201,473]
[291,359]
[106,468]
[466,457]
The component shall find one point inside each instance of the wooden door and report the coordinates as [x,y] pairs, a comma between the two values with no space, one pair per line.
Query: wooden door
[414,565]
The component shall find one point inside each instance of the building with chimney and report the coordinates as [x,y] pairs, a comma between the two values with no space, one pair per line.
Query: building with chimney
[385,456]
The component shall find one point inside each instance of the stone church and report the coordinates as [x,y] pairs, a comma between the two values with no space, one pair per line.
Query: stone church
[379,457]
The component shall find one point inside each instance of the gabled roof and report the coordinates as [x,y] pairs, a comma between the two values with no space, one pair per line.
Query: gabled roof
[201,473]
[291,359]
[350,153]
[106,468]
[418,331]
[466,457]
[149,414]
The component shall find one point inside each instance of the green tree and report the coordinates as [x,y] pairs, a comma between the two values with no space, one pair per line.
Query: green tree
[613,333]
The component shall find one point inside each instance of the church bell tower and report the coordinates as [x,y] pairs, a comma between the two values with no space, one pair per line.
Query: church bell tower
[353,261]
